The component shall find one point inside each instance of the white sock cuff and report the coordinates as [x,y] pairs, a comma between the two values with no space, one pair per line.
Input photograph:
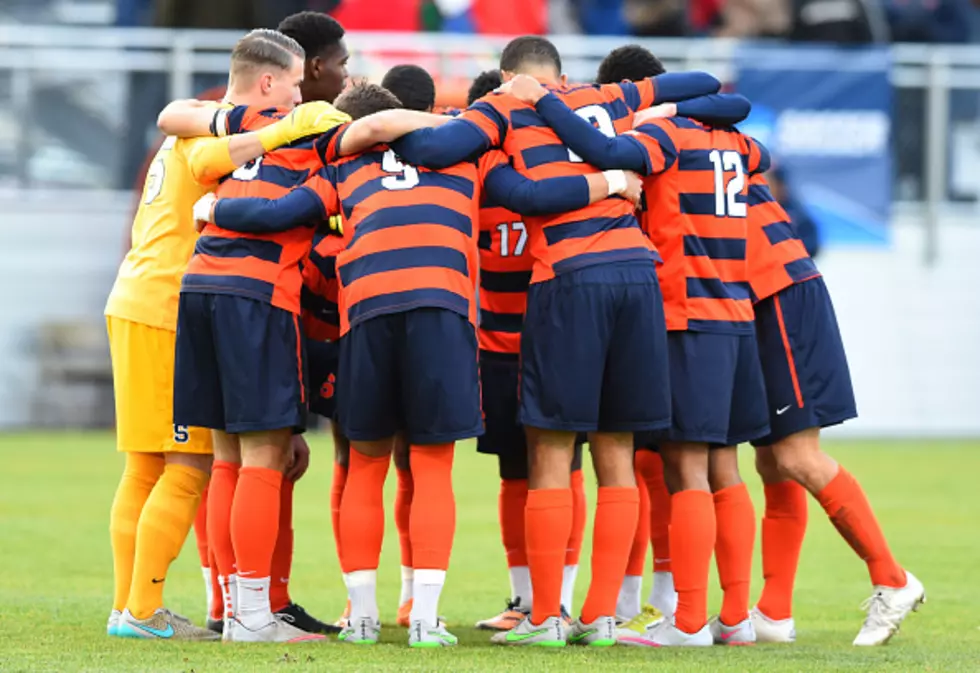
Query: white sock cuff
[408,574]
[362,578]
[429,576]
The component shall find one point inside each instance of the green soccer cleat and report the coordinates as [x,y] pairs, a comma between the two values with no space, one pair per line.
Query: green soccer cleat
[600,633]
[421,635]
[361,631]
[550,633]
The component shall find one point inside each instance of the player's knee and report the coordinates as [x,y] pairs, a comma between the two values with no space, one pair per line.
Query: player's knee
[341,446]
[612,458]
[766,465]
[685,466]
[723,469]
[267,449]
[512,465]
[402,453]
[798,456]
[198,461]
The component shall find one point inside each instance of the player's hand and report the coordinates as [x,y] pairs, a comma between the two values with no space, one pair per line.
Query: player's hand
[313,118]
[634,187]
[299,459]
[204,210]
[524,88]
[661,111]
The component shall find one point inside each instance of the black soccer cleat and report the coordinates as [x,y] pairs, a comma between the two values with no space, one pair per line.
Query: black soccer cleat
[303,620]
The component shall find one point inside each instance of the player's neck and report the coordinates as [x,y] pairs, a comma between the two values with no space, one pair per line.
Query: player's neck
[248,97]
[544,75]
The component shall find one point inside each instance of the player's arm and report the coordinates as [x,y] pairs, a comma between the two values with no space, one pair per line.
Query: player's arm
[555,195]
[760,161]
[384,127]
[670,87]
[717,109]
[461,138]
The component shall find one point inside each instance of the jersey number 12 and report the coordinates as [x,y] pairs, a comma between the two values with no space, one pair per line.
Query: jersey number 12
[726,194]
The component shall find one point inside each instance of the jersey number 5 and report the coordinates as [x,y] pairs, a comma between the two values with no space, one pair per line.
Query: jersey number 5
[726,202]
[599,117]
[406,178]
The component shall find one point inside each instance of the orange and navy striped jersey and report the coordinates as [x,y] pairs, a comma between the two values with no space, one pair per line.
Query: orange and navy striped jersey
[413,232]
[320,315]
[696,216]
[264,267]
[604,232]
[505,273]
[777,257]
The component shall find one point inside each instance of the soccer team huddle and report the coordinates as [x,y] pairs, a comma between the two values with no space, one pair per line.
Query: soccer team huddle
[556,265]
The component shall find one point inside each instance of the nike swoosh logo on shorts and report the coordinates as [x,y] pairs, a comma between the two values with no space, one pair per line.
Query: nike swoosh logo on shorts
[780,412]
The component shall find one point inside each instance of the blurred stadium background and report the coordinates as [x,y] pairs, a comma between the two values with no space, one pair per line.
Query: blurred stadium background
[871,108]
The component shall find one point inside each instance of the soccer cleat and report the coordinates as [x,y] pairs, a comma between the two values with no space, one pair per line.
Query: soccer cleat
[886,608]
[639,625]
[566,617]
[665,634]
[550,633]
[363,631]
[600,633]
[276,631]
[422,635]
[162,624]
[506,620]
[343,621]
[304,621]
[112,625]
[772,630]
[742,633]
[216,625]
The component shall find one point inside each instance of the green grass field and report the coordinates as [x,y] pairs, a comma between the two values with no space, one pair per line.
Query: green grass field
[55,584]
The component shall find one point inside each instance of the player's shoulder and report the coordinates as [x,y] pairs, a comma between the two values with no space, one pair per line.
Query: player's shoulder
[250,117]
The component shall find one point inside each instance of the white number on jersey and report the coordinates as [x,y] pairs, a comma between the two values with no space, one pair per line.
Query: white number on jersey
[249,171]
[726,194]
[157,172]
[519,245]
[599,117]
[406,176]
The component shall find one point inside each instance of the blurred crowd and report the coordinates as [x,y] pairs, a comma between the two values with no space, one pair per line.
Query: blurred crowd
[838,21]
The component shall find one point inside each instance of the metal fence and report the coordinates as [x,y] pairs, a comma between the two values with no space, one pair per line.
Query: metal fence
[77,104]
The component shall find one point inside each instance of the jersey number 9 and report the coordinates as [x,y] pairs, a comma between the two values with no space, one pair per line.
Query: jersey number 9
[599,117]
[406,176]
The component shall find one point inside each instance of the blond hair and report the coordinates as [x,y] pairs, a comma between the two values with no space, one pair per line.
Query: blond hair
[262,48]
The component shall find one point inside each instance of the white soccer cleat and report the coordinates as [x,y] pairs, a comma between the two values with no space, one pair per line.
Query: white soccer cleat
[742,633]
[665,634]
[772,630]
[551,632]
[361,631]
[276,631]
[886,608]
[422,635]
[112,625]
[600,633]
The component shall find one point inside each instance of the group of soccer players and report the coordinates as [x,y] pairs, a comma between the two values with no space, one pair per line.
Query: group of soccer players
[558,264]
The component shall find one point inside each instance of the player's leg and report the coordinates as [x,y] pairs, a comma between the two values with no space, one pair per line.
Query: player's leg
[662,596]
[211,587]
[368,407]
[629,603]
[574,550]
[341,447]
[221,495]
[404,490]
[809,385]
[783,529]
[441,398]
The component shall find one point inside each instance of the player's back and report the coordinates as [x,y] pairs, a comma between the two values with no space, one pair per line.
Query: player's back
[320,314]
[777,257]
[265,266]
[147,286]
[413,236]
[696,217]
[604,232]
[505,274]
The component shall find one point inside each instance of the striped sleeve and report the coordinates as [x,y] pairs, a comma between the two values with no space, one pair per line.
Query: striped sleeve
[658,144]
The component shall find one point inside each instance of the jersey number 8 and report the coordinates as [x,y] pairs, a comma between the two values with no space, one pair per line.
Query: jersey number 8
[726,194]
[406,178]
[599,117]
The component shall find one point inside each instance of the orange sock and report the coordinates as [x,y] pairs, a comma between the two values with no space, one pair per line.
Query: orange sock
[692,540]
[217,600]
[651,468]
[548,526]
[255,521]
[850,512]
[616,513]
[433,519]
[641,538]
[336,495]
[201,530]
[511,505]
[403,513]
[282,555]
[734,544]
[783,528]
[362,512]
[221,494]
[579,515]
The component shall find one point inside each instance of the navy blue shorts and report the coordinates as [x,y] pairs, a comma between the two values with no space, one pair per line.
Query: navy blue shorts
[807,379]
[719,396]
[594,351]
[415,372]
[239,365]
[322,358]
[504,436]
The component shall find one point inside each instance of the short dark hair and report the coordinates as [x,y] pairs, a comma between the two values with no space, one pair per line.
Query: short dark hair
[413,86]
[485,82]
[529,50]
[314,31]
[630,62]
[361,100]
